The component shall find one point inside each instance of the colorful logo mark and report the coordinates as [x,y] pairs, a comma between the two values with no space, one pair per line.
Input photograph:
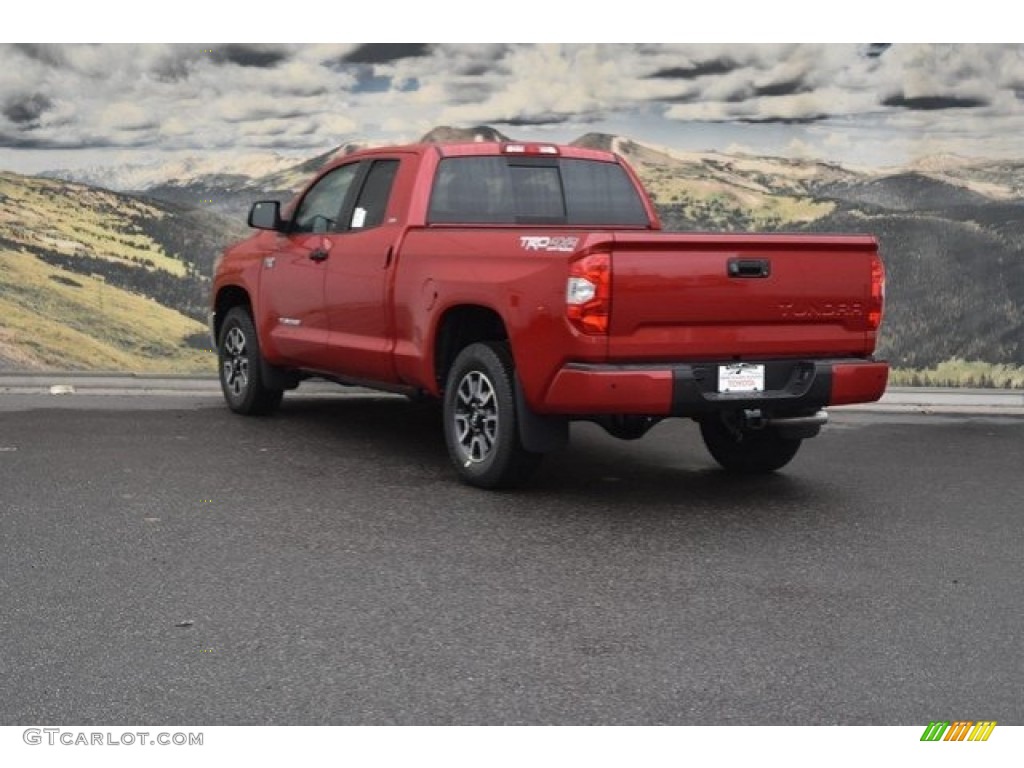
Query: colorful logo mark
[959,730]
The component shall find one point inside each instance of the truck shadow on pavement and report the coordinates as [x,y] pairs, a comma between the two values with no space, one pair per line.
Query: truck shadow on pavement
[667,472]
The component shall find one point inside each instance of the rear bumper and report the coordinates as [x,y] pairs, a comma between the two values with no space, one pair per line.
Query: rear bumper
[690,389]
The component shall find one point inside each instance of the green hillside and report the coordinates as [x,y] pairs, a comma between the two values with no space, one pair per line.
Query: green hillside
[94,280]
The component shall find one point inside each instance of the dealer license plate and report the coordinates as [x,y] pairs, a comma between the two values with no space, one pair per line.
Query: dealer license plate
[741,377]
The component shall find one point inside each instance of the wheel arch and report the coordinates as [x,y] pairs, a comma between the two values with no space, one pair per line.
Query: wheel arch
[228,297]
[458,327]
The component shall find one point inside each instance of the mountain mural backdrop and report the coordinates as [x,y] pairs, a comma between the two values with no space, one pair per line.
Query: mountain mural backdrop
[107,268]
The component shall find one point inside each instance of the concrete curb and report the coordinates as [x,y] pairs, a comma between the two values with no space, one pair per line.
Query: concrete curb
[941,400]
[135,384]
[896,399]
[41,383]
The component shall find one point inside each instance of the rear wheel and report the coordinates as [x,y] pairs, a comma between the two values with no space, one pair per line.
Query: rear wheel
[241,374]
[747,451]
[480,422]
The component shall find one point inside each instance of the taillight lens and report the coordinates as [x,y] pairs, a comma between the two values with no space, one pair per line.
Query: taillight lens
[877,302]
[588,293]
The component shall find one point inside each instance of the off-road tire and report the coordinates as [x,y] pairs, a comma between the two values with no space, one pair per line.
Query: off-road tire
[239,364]
[480,421]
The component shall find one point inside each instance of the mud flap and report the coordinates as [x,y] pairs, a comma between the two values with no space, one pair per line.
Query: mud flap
[278,378]
[539,434]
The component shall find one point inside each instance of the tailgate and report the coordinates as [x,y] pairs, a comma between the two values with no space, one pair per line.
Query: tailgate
[710,296]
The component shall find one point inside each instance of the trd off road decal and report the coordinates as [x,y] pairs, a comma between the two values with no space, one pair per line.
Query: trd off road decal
[560,244]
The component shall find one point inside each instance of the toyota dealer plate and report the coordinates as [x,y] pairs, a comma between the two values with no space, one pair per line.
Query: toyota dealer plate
[741,377]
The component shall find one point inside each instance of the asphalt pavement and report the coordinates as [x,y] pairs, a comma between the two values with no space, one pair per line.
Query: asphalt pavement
[165,561]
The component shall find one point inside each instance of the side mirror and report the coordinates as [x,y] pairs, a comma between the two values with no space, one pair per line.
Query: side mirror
[266,214]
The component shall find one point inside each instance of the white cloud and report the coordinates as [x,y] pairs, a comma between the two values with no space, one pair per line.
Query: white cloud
[183,97]
[124,116]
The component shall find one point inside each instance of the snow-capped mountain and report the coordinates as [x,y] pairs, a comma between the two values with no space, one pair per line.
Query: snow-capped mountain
[181,170]
[260,171]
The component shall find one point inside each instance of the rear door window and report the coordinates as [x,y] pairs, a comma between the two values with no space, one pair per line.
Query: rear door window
[372,203]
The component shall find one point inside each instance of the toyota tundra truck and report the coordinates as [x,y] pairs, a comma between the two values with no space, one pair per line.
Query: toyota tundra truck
[527,285]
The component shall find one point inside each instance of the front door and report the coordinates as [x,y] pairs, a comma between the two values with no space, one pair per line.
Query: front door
[293,277]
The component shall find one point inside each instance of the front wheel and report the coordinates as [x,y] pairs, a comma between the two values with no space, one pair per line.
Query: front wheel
[480,423]
[747,451]
[241,374]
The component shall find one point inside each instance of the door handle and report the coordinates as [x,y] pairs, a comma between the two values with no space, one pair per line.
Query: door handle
[318,255]
[749,268]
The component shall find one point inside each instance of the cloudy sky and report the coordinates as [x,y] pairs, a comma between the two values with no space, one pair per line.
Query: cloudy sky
[65,106]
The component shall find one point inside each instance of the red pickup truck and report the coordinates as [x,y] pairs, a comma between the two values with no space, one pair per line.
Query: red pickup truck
[526,285]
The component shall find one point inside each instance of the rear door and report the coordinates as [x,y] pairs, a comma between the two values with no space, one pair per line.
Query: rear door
[357,305]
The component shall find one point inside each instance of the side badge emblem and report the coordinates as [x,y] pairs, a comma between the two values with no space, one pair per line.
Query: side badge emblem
[268,262]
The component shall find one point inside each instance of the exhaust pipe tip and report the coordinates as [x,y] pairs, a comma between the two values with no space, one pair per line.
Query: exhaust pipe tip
[799,427]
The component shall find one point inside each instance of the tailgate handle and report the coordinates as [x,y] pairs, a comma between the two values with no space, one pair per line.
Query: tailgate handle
[749,267]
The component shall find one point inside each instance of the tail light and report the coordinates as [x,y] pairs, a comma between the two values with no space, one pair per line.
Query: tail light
[588,293]
[876,304]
